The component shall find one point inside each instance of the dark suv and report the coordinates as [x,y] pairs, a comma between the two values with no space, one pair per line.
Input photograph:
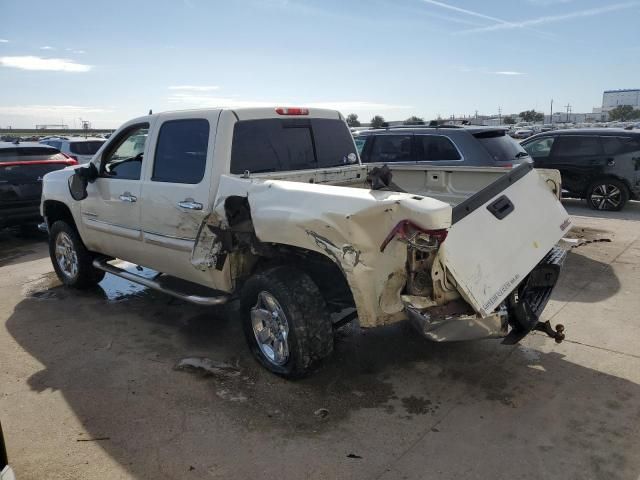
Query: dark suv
[601,165]
[442,146]
[22,166]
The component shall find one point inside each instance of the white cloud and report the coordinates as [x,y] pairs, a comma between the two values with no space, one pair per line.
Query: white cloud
[39,63]
[47,47]
[4,40]
[554,18]
[49,110]
[195,88]
[207,101]
[508,72]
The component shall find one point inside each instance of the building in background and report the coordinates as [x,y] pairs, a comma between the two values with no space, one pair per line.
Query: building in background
[614,98]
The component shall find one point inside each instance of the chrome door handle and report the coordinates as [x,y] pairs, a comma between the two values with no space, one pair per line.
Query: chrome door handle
[127,197]
[190,204]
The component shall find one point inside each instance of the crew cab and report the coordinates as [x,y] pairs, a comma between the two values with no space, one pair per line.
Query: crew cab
[272,206]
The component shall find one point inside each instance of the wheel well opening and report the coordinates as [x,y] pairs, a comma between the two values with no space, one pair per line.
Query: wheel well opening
[54,211]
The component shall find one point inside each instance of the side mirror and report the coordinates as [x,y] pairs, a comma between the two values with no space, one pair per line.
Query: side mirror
[80,179]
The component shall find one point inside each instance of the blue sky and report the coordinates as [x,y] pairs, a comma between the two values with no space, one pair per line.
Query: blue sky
[110,61]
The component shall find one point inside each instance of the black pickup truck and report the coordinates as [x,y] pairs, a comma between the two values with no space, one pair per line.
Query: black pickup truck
[22,167]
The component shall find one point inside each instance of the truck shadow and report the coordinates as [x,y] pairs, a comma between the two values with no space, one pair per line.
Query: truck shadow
[114,361]
[585,280]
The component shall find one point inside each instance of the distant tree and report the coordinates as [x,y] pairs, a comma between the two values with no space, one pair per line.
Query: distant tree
[509,120]
[532,116]
[413,120]
[623,113]
[352,120]
[377,122]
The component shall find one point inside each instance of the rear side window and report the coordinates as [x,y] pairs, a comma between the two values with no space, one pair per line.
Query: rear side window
[85,148]
[576,146]
[28,154]
[391,148]
[436,147]
[274,145]
[501,147]
[181,152]
[620,145]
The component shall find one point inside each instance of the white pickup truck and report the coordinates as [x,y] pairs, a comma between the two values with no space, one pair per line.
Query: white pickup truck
[273,207]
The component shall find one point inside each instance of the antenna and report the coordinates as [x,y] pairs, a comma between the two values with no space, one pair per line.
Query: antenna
[150,112]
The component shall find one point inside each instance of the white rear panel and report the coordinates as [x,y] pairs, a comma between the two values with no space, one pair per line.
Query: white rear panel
[489,257]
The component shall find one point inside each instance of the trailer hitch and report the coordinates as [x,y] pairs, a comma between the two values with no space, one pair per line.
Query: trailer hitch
[545,327]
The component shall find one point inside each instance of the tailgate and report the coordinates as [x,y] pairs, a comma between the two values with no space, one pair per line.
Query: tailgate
[500,234]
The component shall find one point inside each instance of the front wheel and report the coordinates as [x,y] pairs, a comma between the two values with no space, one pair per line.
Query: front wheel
[71,260]
[286,321]
[607,194]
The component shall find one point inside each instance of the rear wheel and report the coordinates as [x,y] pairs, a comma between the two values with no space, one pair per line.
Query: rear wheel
[286,321]
[607,194]
[72,262]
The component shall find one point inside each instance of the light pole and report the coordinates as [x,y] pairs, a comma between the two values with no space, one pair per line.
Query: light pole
[551,115]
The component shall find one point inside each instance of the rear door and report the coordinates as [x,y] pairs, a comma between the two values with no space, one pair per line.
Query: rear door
[500,234]
[579,158]
[622,155]
[437,150]
[176,191]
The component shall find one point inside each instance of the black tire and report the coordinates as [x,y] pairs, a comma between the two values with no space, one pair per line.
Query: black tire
[607,194]
[310,337]
[86,275]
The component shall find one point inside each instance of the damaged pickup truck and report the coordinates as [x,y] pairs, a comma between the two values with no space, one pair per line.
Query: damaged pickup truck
[273,207]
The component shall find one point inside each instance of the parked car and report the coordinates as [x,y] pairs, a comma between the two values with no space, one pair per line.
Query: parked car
[22,167]
[522,133]
[271,205]
[445,145]
[600,165]
[80,149]
[6,473]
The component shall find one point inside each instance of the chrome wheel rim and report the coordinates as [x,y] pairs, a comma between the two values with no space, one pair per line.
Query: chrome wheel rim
[66,256]
[606,196]
[271,329]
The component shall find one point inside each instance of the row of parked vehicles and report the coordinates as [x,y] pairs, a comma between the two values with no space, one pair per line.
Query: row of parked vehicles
[599,165]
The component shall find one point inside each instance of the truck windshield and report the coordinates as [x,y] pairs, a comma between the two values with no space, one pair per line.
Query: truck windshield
[500,146]
[275,145]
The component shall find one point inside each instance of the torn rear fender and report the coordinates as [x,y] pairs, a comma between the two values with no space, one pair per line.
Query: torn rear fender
[348,225]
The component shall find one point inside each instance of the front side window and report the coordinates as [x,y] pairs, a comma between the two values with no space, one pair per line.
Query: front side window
[437,148]
[391,148]
[540,148]
[123,160]
[181,152]
[576,146]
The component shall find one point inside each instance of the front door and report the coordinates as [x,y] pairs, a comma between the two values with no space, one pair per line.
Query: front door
[579,158]
[111,211]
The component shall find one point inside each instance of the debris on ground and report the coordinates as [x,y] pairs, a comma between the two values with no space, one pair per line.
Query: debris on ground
[321,413]
[208,366]
[353,455]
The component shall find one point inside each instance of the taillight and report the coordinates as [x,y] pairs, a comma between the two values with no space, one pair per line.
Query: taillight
[407,230]
[292,111]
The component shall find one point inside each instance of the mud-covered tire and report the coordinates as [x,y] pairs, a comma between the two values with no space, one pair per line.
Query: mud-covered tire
[608,194]
[310,332]
[85,275]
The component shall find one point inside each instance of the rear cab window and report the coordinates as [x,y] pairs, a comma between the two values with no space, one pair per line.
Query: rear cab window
[275,145]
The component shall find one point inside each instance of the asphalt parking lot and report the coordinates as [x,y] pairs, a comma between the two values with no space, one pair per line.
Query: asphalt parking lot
[89,387]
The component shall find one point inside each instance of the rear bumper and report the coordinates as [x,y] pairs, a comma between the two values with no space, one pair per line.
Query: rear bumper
[514,319]
[10,215]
